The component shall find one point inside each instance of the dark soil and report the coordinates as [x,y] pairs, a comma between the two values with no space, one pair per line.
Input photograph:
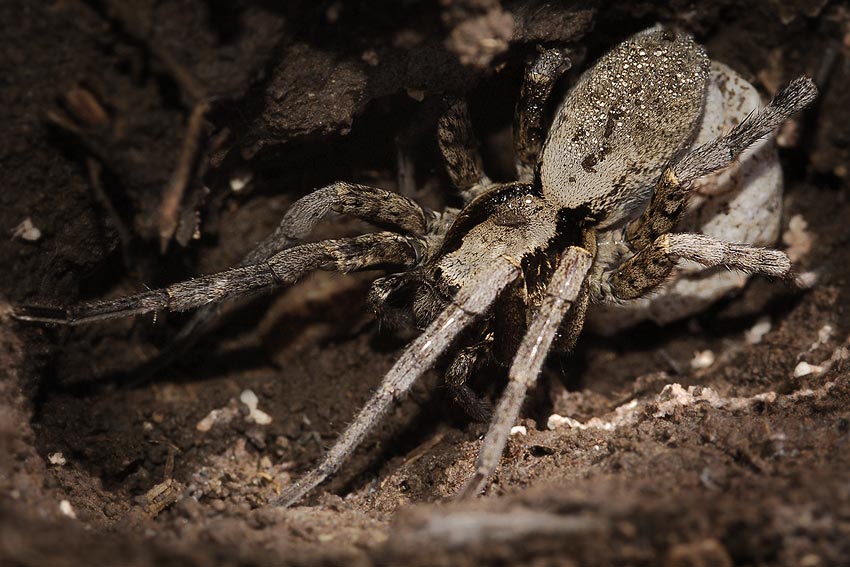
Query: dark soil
[95,102]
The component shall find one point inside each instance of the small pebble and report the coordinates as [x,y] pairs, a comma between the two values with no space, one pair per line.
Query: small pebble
[416,94]
[208,421]
[804,369]
[67,510]
[702,359]
[249,398]
[112,510]
[370,57]
[27,231]
[797,238]
[57,459]
[240,180]
[757,332]
[555,421]
[806,280]
[824,335]
[220,415]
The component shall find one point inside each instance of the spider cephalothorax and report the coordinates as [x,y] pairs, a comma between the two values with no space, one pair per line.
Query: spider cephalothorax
[517,266]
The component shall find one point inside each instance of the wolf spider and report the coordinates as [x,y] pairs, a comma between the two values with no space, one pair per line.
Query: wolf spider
[513,271]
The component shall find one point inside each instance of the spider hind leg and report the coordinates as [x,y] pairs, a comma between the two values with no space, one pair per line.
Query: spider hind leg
[648,269]
[658,249]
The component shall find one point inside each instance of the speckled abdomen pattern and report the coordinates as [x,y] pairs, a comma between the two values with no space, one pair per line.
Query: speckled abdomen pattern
[623,122]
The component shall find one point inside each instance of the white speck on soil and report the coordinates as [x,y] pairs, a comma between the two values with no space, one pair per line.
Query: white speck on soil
[241,180]
[824,334]
[66,509]
[258,416]
[797,238]
[27,231]
[756,333]
[556,421]
[519,430]
[220,415]
[804,369]
[57,459]
[702,359]
[672,397]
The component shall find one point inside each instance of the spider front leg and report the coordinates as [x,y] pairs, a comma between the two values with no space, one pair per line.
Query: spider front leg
[471,302]
[286,267]
[506,328]
[562,292]
[397,313]
[539,80]
[377,206]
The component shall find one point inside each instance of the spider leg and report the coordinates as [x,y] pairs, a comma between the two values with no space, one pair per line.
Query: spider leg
[668,202]
[470,303]
[379,207]
[563,290]
[376,206]
[649,268]
[507,325]
[459,371]
[539,79]
[286,267]
[464,362]
[460,150]
[388,311]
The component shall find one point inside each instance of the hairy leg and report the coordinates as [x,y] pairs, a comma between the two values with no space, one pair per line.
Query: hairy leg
[459,371]
[529,132]
[397,313]
[390,299]
[470,303]
[377,206]
[561,293]
[510,320]
[648,269]
[669,200]
[286,267]
[459,147]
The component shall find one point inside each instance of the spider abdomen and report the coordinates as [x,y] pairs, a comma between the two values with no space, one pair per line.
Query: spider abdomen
[624,120]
